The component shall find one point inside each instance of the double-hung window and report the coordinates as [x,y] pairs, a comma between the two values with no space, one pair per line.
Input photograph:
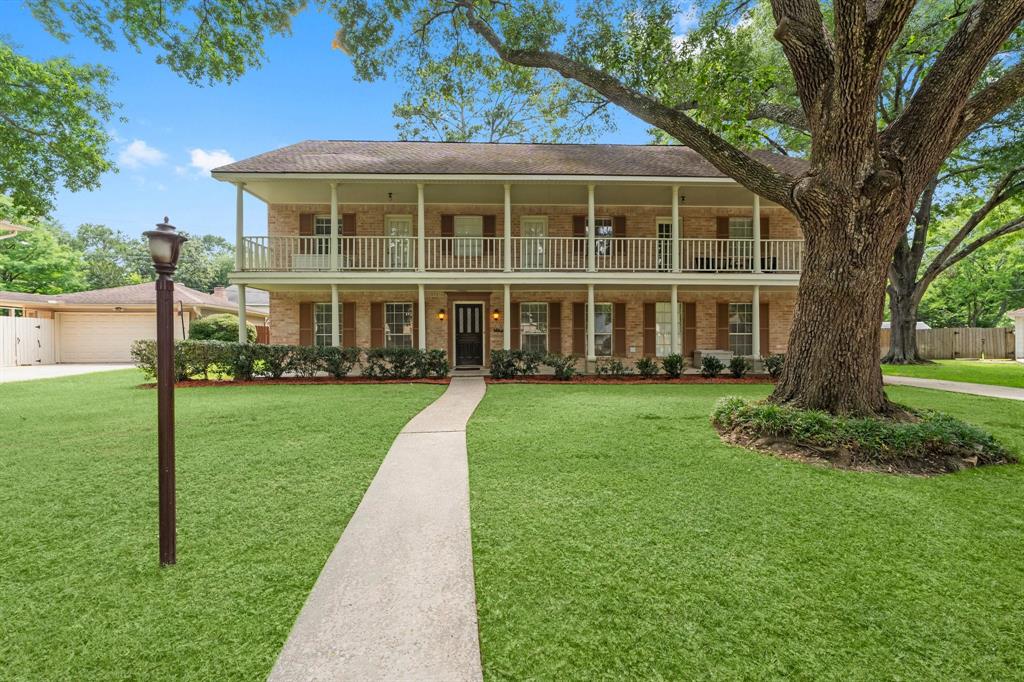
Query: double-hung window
[741,328]
[322,323]
[603,329]
[469,233]
[398,325]
[741,228]
[663,327]
[604,230]
[533,325]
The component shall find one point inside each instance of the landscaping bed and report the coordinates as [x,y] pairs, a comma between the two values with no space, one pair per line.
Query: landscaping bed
[630,379]
[920,442]
[300,381]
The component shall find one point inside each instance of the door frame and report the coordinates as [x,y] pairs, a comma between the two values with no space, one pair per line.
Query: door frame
[483,332]
[484,299]
[523,219]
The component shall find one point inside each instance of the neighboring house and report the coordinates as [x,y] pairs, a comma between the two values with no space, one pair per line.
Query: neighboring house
[255,299]
[1018,333]
[469,247]
[919,326]
[94,326]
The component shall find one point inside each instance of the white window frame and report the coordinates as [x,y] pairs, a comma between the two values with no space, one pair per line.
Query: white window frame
[610,334]
[741,342]
[545,325]
[322,323]
[741,227]
[665,243]
[663,327]
[390,336]
[12,311]
[603,243]
[469,244]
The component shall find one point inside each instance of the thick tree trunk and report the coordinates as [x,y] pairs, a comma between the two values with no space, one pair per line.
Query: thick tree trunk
[903,327]
[832,362]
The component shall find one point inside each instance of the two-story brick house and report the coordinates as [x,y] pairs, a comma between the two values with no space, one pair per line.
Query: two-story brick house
[470,247]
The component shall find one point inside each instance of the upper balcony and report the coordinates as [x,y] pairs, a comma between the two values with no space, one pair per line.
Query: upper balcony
[520,254]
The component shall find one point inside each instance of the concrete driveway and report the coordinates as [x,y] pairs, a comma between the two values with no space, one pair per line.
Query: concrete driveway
[30,372]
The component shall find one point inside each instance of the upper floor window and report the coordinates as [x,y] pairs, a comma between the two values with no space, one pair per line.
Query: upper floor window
[398,325]
[741,228]
[533,325]
[741,328]
[469,232]
[604,229]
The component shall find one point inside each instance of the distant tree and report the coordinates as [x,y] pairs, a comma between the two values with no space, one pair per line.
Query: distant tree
[52,128]
[110,258]
[40,261]
[205,262]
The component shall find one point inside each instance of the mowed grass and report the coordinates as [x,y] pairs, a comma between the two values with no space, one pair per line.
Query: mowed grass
[267,479]
[994,372]
[615,537]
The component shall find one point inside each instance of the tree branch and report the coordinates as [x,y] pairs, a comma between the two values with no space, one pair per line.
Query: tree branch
[755,175]
[780,113]
[991,100]
[800,29]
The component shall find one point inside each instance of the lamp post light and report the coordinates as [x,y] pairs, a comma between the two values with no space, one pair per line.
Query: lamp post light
[165,246]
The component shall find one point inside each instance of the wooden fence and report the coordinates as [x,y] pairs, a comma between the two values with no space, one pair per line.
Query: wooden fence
[960,342]
[262,334]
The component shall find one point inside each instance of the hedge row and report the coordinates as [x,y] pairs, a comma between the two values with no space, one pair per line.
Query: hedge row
[246,361]
[508,364]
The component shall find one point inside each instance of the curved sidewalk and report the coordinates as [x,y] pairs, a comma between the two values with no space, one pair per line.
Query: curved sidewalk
[986,390]
[396,599]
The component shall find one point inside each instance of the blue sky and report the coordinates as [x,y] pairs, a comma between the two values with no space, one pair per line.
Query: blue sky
[173,129]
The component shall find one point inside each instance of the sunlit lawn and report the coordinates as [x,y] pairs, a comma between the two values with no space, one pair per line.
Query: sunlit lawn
[267,479]
[615,537]
[994,372]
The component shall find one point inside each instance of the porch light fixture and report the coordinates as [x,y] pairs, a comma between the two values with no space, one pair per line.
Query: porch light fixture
[441,314]
[496,315]
[165,246]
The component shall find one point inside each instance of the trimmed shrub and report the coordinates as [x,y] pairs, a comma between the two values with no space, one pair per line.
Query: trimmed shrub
[739,366]
[647,367]
[143,352]
[673,365]
[612,367]
[273,360]
[220,327]
[239,359]
[306,361]
[711,367]
[563,366]
[773,364]
[338,362]
[433,364]
[932,442]
[391,363]
[507,364]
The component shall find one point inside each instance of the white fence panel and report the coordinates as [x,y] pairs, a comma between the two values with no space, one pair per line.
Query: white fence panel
[8,341]
[26,341]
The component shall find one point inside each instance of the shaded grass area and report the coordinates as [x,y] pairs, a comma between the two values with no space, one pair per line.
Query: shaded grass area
[615,537]
[267,479]
[993,372]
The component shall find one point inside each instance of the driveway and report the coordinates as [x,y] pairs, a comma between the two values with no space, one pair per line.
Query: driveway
[30,372]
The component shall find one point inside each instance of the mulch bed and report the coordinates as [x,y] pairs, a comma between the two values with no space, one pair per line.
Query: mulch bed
[632,379]
[298,381]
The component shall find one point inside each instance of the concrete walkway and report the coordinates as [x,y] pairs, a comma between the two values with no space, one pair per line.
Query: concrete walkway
[396,599]
[30,372]
[958,387]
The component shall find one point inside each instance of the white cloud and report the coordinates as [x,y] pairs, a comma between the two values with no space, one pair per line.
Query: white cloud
[207,160]
[138,154]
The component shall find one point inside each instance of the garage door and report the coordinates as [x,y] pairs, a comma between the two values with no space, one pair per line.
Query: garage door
[104,337]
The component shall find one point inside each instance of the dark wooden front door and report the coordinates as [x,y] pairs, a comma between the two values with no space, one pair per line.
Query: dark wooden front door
[469,334]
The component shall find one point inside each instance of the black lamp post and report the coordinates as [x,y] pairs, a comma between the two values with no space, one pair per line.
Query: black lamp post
[165,246]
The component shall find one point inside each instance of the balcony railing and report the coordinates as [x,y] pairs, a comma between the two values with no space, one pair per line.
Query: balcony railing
[529,254]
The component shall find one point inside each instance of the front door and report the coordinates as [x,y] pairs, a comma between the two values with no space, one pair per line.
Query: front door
[534,243]
[469,334]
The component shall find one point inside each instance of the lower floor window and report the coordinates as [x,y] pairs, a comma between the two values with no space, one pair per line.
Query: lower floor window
[663,327]
[741,328]
[602,329]
[398,325]
[533,324]
[322,324]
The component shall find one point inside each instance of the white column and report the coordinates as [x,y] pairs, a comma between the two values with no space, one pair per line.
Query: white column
[675,229]
[508,231]
[506,328]
[421,222]
[676,348]
[591,237]
[239,227]
[335,318]
[333,249]
[421,318]
[757,234]
[591,350]
[757,323]
[243,336]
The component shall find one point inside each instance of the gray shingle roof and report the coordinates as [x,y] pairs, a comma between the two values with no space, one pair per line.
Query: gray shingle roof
[133,294]
[355,157]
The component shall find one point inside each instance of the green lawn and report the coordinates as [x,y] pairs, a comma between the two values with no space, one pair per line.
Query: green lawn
[615,537]
[267,479]
[994,372]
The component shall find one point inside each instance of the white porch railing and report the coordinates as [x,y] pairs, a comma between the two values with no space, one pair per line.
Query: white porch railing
[529,254]
[458,254]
